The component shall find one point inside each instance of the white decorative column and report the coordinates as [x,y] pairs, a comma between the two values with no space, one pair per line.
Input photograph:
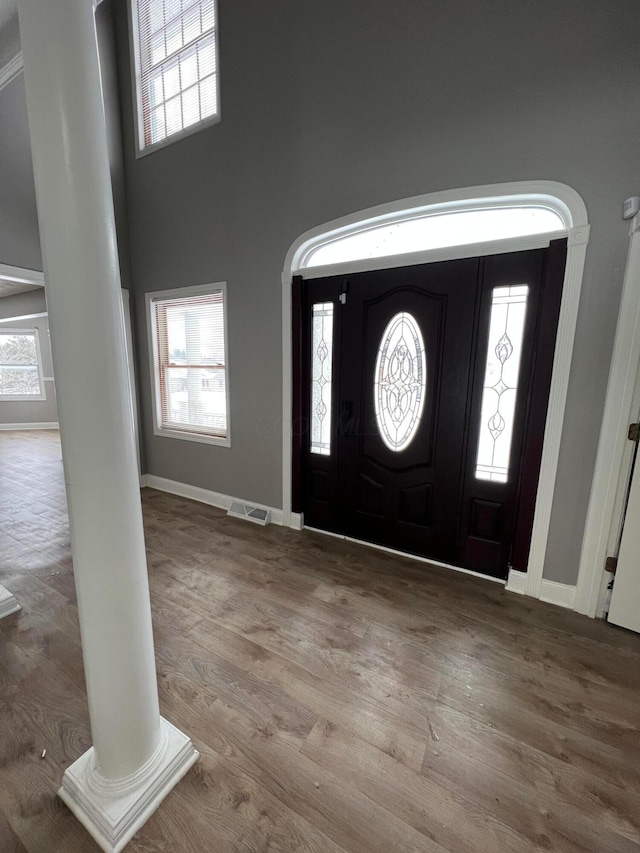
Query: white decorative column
[136,756]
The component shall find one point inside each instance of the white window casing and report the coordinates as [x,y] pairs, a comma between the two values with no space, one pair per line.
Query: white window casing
[188,351]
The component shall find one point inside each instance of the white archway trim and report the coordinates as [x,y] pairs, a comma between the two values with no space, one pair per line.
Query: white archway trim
[618,412]
[551,194]
[555,196]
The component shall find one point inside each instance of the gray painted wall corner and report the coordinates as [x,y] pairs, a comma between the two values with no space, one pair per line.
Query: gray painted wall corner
[363,104]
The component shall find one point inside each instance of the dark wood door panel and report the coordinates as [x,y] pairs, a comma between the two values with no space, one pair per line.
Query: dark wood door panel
[378,486]
[425,495]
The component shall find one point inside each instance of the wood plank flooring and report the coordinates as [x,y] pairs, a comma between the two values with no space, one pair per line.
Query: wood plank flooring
[342,699]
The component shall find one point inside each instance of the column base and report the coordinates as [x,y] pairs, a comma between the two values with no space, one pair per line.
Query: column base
[112,811]
[8,603]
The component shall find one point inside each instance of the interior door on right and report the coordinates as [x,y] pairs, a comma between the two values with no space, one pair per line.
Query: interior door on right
[625,599]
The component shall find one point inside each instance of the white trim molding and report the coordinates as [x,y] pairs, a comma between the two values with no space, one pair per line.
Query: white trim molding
[553,592]
[8,603]
[613,433]
[112,811]
[560,198]
[11,70]
[203,496]
[567,322]
[569,206]
[5,320]
[561,594]
[517,581]
[21,427]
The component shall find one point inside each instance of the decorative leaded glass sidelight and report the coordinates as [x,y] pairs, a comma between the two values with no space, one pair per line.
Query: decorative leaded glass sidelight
[321,376]
[506,333]
[400,380]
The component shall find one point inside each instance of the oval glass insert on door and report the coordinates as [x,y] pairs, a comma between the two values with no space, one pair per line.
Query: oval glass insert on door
[400,381]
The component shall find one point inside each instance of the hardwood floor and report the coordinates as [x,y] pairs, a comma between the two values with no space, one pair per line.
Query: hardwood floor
[342,699]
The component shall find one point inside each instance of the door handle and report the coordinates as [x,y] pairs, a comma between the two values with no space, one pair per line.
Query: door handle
[346,414]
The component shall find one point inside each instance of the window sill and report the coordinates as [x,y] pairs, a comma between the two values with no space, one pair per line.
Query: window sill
[22,398]
[176,137]
[196,437]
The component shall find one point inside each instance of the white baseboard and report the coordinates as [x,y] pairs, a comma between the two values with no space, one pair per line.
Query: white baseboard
[8,603]
[517,581]
[297,520]
[203,496]
[21,427]
[112,811]
[552,592]
[562,594]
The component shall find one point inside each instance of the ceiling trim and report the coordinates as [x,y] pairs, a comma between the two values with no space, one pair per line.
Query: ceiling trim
[11,70]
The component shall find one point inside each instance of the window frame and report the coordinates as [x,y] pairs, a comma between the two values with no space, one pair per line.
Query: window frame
[135,63]
[27,398]
[152,336]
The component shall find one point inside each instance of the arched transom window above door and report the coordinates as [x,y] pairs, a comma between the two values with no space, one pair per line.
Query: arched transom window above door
[454,223]
[435,230]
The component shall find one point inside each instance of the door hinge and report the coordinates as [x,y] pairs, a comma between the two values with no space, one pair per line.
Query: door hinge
[344,289]
[611,564]
[634,432]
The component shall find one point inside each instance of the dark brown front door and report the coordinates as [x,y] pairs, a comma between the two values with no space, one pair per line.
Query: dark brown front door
[396,389]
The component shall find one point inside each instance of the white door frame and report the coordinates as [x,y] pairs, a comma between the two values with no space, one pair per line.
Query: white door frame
[559,197]
[618,412]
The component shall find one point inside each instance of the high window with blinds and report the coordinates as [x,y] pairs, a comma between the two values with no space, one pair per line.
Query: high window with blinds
[176,57]
[189,357]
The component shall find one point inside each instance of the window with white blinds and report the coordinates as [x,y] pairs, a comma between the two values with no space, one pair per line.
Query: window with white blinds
[176,56]
[188,338]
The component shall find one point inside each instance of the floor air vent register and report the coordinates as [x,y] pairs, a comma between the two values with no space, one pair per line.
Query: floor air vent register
[251,513]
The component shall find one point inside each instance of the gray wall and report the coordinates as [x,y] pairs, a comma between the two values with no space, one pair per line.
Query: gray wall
[23,304]
[19,236]
[109,75]
[9,32]
[329,108]
[37,411]
[105,26]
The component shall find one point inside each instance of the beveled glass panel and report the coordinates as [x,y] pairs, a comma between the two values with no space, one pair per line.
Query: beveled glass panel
[321,376]
[400,381]
[500,389]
